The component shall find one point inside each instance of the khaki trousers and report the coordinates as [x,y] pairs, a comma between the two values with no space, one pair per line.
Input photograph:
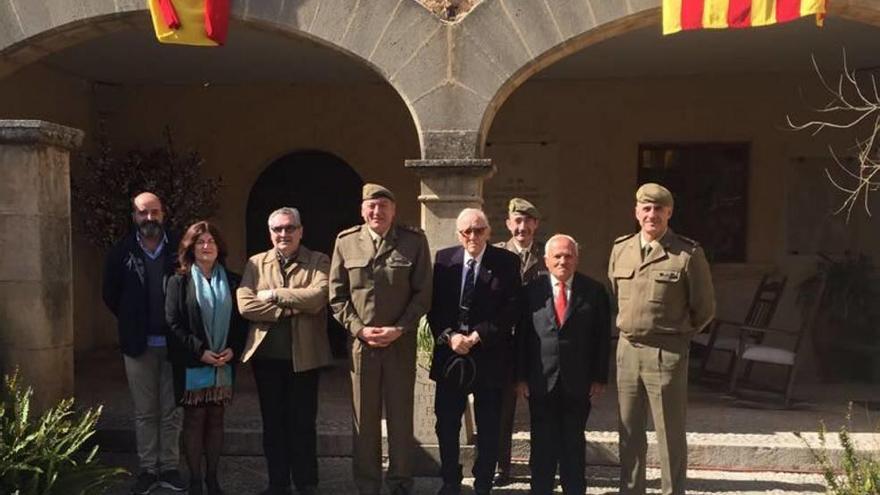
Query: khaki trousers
[652,377]
[157,418]
[383,376]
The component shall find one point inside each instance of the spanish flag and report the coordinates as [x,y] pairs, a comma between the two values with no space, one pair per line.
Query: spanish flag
[681,15]
[190,22]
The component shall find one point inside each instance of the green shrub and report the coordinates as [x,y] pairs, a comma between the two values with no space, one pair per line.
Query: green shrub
[424,343]
[857,473]
[46,455]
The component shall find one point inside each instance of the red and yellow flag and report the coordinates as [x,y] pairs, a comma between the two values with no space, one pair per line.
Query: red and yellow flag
[681,15]
[190,22]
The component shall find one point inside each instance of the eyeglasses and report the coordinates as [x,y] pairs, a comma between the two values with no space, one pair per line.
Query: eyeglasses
[284,228]
[477,231]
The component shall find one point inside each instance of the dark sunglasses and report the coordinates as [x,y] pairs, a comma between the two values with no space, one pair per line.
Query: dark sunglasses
[284,228]
[472,230]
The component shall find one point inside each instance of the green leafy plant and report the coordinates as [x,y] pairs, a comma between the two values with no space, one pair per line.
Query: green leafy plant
[424,343]
[46,455]
[857,473]
[848,314]
[849,294]
[104,190]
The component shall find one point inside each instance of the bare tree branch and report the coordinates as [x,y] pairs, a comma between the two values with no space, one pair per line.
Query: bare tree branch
[849,106]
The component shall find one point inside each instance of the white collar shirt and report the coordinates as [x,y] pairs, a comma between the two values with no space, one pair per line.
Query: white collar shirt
[464,267]
[554,282]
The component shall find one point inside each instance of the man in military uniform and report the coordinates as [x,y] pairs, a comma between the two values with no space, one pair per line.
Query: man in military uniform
[522,222]
[664,294]
[380,285]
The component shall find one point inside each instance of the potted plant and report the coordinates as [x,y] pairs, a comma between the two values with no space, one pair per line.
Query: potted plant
[848,314]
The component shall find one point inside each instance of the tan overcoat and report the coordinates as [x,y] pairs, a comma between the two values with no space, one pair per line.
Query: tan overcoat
[305,294]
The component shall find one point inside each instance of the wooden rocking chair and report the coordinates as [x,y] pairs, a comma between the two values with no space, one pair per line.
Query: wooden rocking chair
[759,315]
[786,354]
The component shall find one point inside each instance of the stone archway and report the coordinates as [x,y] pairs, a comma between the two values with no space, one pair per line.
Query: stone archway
[323,187]
[399,39]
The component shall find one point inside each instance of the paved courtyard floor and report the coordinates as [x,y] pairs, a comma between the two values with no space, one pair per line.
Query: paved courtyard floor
[247,476]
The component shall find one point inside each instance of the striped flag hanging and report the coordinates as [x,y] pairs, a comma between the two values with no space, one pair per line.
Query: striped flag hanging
[685,15]
[190,22]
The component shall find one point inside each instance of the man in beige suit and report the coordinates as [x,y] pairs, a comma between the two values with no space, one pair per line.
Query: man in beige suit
[283,293]
[380,285]
[664,293]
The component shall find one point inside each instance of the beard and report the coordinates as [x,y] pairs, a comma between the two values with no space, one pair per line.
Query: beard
[150,229]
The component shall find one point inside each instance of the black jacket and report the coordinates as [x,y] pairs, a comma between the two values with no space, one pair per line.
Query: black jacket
[578,352]
[125,292]
[184,318]
[493,311]
[188,340]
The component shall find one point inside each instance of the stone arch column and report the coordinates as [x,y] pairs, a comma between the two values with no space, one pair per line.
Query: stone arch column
[36,276]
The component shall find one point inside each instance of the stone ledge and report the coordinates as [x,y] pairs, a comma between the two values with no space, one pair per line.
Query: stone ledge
[30,132]
[479,165]
[705,451]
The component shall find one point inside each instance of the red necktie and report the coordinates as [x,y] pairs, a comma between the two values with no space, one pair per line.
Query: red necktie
[561,304]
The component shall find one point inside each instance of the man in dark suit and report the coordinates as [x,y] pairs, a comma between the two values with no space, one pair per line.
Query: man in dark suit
[472,312]
[562,364]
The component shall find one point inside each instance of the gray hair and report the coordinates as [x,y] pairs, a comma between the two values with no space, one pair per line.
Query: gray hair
[472,211]
[291,212]
[557,237]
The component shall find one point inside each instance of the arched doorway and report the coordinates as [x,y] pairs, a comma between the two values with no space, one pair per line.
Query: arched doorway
[322,186]
[327,193]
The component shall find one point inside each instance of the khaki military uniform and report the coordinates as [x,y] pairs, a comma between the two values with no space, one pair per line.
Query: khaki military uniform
[531,265]
[390,286]
[662,301]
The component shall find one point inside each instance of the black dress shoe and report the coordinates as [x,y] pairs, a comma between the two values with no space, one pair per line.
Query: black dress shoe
[502,478]
[277,490]
[450,489]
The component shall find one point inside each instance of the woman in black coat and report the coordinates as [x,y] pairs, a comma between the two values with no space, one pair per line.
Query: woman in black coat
[209,334]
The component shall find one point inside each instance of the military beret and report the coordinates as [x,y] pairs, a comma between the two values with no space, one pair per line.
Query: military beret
[654,193]
[460,371]
[375,191]
[520,205]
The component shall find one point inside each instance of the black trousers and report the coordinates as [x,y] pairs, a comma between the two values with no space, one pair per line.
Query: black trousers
[449,405]
[558,421]
[508,411]
[289,407]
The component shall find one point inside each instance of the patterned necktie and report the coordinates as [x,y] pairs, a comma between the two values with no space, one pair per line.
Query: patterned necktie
[467,293]
[561,304]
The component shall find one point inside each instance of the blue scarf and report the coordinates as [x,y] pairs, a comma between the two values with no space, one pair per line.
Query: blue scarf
[215,303]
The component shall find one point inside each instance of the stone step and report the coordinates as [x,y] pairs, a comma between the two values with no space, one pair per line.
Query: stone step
[781,451]
[246,475]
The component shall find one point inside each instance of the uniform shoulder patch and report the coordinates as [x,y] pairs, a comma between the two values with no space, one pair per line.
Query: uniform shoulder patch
[688,240]
[501,244]
[411,228]
[349,231]
[624,237]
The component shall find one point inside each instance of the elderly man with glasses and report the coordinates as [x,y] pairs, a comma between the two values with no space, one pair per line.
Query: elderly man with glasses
[283,293]
[472,313]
